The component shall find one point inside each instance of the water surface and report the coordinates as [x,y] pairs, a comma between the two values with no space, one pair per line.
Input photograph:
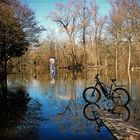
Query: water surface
[55,108]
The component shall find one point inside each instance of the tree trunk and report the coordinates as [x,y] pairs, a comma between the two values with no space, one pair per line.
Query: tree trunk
[116,61]
[74,61]
[98,57]
[106,66]
[129,55]
[129,65]
[130,84]
[3,80]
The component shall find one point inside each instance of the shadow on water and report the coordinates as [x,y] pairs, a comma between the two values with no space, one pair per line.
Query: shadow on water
[19,114]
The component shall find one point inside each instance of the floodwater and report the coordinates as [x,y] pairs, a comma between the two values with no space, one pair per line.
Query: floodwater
[53,107]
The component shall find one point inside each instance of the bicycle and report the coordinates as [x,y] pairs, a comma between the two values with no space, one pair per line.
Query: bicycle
[118,94]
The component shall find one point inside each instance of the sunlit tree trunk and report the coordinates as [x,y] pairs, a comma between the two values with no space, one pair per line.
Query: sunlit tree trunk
[129,54]
[116,61]
[106,66]
[130,83]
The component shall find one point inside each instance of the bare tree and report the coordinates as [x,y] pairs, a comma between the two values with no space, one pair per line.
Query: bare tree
[132,24]
[84,23]
[66,15]
[116,25]
[97,25]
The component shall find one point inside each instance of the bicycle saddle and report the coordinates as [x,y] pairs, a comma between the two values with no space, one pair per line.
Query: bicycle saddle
[113,80]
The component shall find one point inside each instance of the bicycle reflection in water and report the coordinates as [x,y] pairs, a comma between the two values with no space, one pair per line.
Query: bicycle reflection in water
[94,112]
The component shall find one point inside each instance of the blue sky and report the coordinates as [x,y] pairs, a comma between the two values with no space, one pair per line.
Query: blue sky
[43,7]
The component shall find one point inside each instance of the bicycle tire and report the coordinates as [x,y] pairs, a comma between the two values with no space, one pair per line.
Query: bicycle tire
[91,97]
[123,113]
[117,92]
[90,112]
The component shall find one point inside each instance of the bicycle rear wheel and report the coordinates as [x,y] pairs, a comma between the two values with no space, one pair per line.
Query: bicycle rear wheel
[122,112]
[120,96]
[91,95]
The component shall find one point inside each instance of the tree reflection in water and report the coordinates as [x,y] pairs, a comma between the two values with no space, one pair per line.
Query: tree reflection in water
[18,112]
[12,107]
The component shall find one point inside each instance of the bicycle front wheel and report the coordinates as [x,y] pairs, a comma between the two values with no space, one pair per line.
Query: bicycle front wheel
[120,96]
[90,112]
[91,95]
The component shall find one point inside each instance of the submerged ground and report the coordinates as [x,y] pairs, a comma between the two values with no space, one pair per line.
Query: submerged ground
[55,109]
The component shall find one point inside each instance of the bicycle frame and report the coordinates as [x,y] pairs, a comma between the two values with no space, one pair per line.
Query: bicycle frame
[102,85]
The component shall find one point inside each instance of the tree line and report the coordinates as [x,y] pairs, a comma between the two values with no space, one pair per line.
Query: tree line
[84,37]
[92,38]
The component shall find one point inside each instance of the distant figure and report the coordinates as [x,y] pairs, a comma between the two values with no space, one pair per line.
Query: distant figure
[52,67]
[53,70]
[35,76]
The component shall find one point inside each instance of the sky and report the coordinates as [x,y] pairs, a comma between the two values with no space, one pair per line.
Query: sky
[43,7]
